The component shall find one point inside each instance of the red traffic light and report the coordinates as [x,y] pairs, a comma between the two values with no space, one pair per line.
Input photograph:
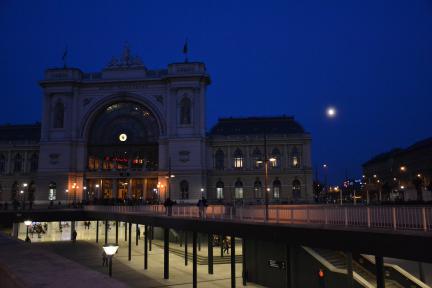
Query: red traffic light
[321,273]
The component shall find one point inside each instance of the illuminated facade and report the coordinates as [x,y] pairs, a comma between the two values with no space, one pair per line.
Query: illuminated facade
[129,132]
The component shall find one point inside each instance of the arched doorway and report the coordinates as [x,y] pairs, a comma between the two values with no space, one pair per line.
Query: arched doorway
[122,152]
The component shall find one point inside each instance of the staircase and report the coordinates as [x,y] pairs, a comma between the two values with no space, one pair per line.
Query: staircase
[338,260]
[201,260]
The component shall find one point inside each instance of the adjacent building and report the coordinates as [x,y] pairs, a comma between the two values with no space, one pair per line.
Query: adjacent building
[132,132]
[400,174]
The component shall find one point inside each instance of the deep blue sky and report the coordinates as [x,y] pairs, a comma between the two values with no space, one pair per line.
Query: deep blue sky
[370,59]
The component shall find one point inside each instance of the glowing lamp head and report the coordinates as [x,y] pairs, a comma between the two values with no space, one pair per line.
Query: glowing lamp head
[27,222]
[272,159]
[403,168]
[110,249]
[321,273]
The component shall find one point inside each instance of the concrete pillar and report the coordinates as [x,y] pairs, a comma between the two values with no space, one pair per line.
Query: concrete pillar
[349,270]
[290,258]
[125,224]
[379,263]
[106,232]
[166,253]
[15,230]
[117,224]
[421,272]
[130,242]
[136,234]
[210,253]
[244,272]
[97,231]
[145,246]
[233,264]
[186,248]
[194,260]
[150,238]
[72,229]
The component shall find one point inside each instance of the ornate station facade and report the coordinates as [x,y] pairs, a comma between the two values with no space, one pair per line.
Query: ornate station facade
[129,132]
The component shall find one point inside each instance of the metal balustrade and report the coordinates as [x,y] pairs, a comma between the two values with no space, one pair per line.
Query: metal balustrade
[400,218]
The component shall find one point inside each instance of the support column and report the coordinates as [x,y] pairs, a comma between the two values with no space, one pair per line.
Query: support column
[130,242]
[199,242]
[150,238]
[72,229]
[186,248]
[379,263]
[290,258]
[117,223]
[106,232]
[210,253]
[125,224]
[233,268]
[97,231]
[145,246]
[194,259]
[244,272]
[166,253]
[137,232]
[15,230]
[349,270]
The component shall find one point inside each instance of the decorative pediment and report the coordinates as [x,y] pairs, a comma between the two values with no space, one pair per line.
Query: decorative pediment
[127,60]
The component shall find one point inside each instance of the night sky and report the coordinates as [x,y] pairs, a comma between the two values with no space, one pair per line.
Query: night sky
[372,60]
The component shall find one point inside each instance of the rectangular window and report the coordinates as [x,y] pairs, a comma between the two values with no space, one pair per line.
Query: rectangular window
[238,162]
[239,192]
[219,193]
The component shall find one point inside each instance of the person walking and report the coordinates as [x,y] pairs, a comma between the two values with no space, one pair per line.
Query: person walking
[226,245]
[74,235]
[168,206]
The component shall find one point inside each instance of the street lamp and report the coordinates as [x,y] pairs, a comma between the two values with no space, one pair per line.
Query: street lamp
[110,250]
[331,112]
[27,223]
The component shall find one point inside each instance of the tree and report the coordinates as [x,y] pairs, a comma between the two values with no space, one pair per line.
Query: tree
[418,184]
[30,195]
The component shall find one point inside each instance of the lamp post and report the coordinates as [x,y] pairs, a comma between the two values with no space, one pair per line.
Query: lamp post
[110,250]
[74,186]
[27,223]
[97,190]
[266,162]
[22,192]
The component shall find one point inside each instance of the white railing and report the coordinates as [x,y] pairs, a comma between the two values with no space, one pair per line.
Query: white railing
[398,218]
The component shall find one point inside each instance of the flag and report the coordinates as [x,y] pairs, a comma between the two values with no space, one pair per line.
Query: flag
[185,47]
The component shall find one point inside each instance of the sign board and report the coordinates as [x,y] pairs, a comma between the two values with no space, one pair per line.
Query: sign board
[276,264]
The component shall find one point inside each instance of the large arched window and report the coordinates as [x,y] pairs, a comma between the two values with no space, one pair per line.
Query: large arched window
[295,159]
[34,162]
[276,158]
[17,163]
[258,189]
[238,158]
[296,189]
[2,164]
[238,189]
[185,111]
[219,190]
[58,115]
[184,189]
[276,188]
[257,158]
[52,191]
[219,159]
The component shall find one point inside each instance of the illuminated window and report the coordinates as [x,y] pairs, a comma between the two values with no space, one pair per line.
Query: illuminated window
[276,188]
[52,191]
[296,189]
[275,156]
[258,189]
[295,158]
[257,158]
[238,159]
[238,189]
[219,190]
